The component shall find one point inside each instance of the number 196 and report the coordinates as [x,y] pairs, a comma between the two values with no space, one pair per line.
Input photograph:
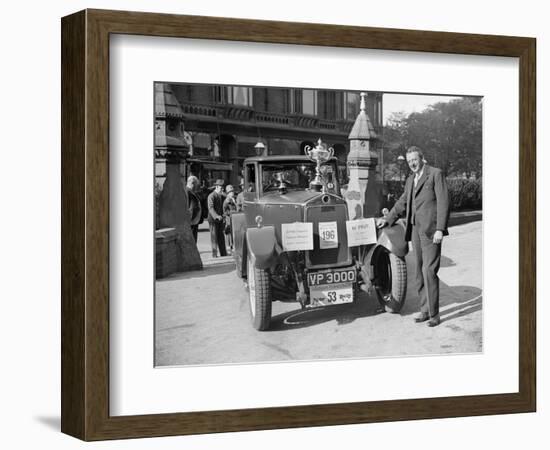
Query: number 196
[328,235]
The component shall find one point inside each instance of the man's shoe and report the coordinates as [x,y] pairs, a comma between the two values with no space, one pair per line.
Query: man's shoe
[434,321]
[421,317]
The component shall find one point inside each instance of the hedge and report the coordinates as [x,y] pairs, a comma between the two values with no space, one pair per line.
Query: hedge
[463,193]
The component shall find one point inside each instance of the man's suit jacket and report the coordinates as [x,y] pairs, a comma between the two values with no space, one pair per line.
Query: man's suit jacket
[431,198]
[194,207]
[215,206]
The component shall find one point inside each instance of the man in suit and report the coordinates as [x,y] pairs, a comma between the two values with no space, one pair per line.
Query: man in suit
[194,205]
[229,207]
[425,203]
[215,219]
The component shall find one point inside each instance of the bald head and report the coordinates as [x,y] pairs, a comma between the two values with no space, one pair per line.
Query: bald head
[192,182]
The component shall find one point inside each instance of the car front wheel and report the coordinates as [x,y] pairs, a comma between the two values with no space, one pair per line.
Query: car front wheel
[390,280]
[259,295]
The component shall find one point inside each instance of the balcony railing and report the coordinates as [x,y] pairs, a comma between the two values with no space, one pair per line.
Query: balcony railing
[265,118]
[278,119]
[199,110]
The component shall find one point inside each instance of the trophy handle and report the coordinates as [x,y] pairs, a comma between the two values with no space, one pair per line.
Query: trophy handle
[307,148]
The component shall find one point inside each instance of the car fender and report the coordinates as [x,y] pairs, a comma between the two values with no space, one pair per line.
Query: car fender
[261,243]
[238,228]
[393,239]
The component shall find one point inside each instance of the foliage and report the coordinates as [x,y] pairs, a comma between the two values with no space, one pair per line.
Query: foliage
[449,134]
[392,191]
[463,193]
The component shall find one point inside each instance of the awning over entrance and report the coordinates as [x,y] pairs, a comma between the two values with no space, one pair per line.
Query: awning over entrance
[212,165]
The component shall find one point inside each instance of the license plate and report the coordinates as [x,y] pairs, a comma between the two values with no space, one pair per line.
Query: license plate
[331,294]
[331,276]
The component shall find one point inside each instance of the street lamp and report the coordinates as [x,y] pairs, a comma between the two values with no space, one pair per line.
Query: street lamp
[260,148]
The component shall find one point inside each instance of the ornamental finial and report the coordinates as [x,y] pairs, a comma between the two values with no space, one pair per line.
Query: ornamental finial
[363,106]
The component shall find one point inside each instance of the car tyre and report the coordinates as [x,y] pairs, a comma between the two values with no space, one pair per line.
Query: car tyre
[391,280]
[259,295]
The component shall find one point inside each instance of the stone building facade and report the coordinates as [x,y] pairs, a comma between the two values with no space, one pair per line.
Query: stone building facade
[222,124]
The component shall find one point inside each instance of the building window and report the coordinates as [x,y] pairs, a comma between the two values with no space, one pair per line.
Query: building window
[290,106]
[327,106]
[303,101]
[351,105]
[237,95]
[250,178]
[339,105]
[295,101]
[219,94]
[309,102]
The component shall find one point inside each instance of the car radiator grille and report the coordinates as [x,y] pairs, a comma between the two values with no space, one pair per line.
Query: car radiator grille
[329,257]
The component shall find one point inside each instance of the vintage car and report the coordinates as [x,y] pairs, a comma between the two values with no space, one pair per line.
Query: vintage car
[282,191]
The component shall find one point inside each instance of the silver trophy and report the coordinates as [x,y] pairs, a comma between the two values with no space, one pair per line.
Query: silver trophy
[319,155]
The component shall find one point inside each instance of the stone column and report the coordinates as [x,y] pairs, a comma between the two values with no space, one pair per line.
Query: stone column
[364,194]
[171,144]
[174,214]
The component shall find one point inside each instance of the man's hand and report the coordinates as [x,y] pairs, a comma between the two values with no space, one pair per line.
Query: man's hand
[381,222]
[438,237]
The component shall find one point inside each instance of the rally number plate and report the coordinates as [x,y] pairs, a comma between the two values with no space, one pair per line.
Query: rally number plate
[331,294]
[331,276]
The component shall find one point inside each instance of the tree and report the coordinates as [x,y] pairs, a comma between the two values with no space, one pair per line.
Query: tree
[449,133]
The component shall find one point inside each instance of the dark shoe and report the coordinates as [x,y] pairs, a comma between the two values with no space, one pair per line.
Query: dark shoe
[421,317]
[434,321]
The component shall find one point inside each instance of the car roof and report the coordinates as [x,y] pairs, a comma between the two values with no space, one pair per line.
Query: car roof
[281,158]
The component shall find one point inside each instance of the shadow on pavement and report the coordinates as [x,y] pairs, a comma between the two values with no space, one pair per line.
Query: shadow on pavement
[464,219]
[364,306]
[459,295]
[468,307]
[465,300]
[446,262]
[208,271]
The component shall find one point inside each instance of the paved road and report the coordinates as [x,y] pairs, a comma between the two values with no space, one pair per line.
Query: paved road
[202,317]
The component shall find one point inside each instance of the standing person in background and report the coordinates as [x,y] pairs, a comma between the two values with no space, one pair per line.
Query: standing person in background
[215,220]
[229,207]
[240,196]
[194,205]
[425,203]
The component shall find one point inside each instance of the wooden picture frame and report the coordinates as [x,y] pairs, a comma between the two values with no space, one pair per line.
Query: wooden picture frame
[85,224]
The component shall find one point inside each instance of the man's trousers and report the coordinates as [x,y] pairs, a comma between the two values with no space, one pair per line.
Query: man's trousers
[217,238]
[427,256]
[195,231]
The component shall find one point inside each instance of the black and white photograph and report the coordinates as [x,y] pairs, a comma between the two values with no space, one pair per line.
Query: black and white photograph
[298,224]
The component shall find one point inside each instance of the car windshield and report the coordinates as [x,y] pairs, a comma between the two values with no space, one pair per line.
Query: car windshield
[295,176]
